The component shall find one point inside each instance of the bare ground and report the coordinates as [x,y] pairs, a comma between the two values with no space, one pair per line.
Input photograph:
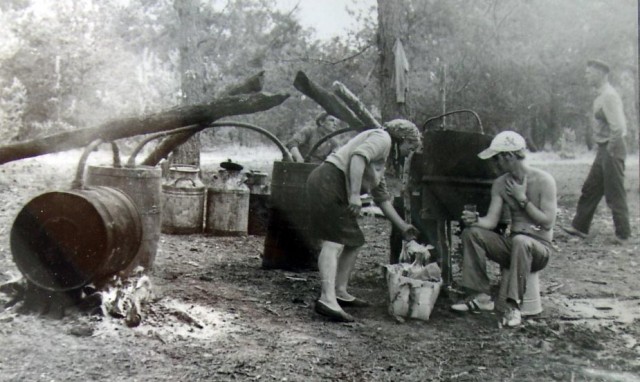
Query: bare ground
[254,324]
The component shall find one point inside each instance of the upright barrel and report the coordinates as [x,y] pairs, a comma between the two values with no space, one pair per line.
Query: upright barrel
[290,243]
[183,201]
[143,185]
[227,205]
[61,241]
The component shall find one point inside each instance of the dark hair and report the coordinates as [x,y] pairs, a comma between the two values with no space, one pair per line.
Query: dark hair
[321,118]
[600,65]
[519,154]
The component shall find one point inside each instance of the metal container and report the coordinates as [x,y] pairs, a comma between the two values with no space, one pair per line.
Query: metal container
[183,195]
[228,204]
[290,243]
[531,303]
[259,192]
[143,185]
[451,173]
[64,240]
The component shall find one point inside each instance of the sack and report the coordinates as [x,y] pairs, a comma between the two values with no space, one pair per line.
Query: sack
[410,297]
[413,252]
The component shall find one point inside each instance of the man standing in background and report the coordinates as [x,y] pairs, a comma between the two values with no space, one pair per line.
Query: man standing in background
[303,140]
[606,177]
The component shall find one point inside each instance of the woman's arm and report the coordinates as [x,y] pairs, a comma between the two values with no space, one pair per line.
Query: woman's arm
[356,170]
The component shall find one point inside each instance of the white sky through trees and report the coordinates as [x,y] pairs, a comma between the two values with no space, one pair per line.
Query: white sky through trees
[329,18]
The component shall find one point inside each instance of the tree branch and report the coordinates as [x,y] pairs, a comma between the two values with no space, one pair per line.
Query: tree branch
[129,127]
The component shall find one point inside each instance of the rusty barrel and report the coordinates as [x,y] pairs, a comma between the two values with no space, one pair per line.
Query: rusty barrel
[289,243]
[143,185]
[183,197]
[61,241]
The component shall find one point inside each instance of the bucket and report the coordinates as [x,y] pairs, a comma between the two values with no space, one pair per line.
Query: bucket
[143,185]
[228,204]
[531,302]
[183,201]
[408,297]
[289,243]
[61,241]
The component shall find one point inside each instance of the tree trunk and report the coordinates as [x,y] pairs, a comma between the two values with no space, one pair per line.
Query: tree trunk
[192,73]
[390,27]
[129,127]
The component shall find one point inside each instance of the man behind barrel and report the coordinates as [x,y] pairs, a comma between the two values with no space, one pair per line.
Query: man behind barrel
[530,196]
[334,189]
[303,140]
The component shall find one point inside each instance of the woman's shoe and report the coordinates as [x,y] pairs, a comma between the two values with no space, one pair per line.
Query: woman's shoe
[356,302]
[335,315]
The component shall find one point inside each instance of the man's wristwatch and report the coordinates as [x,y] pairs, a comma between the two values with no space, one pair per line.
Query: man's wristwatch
[523,204]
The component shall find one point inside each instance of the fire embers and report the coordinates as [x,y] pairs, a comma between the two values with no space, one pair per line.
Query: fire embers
[125,298]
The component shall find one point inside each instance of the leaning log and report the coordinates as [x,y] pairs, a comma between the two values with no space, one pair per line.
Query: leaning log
[251,85]
[355,105]
[129,127]
[332,104]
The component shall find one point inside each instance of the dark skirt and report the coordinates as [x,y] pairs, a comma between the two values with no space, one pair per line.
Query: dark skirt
[329,217]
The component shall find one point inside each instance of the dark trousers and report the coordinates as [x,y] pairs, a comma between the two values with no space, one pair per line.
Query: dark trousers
[606,178]
[520,253]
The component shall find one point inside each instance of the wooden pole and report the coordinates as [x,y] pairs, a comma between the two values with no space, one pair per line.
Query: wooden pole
[332,104]
[355,105]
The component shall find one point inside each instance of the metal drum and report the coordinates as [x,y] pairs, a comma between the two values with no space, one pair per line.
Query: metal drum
[183,201]
[228,203]
[289,243]
[64,240]
[143,185]
[451,173]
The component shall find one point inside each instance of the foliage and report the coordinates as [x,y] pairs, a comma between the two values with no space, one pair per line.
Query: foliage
[12,102]
[518,63]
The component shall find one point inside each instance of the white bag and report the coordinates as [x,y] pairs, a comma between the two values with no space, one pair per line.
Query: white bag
[409,297]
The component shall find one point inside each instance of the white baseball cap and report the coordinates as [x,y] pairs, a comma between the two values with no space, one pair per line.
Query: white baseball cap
[506,141]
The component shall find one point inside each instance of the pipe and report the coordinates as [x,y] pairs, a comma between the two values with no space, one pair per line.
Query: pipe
[424,125]
[78,182]
[286,156]
[326,138]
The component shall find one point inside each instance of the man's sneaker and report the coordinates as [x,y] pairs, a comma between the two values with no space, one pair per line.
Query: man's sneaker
[572,231]
[512,318]
[473,304]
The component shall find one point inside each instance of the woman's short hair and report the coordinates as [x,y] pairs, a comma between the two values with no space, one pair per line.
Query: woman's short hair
[403,130]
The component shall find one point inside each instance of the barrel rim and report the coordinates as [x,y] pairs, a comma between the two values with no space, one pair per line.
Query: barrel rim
[152,171]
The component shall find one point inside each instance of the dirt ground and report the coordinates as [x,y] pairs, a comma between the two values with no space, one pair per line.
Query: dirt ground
[254,324]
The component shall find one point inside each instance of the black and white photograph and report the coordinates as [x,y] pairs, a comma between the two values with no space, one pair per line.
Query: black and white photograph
[319,190]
